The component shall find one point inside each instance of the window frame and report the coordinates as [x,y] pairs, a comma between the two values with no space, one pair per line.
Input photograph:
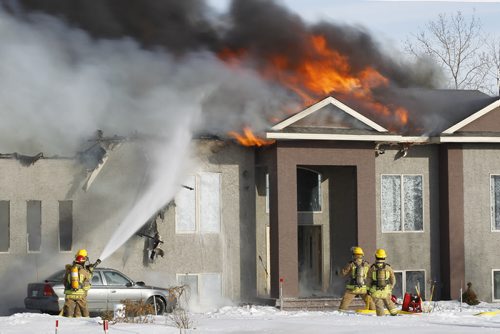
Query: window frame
[27,228]
[8,226]
[59,227]
[401,194]
[198,285]
[320,190]
[492,204]
[197,204]
[403,280]
[104,278]
[493,285]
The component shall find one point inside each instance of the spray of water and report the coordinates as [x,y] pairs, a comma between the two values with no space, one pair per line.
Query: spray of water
[168,165]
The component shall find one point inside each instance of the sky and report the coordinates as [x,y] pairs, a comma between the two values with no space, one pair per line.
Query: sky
[390,21]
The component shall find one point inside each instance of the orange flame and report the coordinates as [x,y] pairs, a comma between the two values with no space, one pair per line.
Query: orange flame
[249,138]
[323,71]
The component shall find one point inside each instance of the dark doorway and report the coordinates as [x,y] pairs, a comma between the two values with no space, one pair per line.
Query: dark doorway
[343,222]
[310,259]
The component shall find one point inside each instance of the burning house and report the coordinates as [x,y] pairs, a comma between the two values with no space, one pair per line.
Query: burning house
[245,153]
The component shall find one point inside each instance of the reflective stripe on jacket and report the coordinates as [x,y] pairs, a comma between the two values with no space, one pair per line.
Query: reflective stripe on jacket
[352,284]
[84,278]
[377,291]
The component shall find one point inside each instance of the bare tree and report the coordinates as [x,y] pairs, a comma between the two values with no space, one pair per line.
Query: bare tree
[493,51]
[457,45]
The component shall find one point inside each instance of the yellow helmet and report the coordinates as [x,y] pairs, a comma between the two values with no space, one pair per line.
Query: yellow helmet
[380,254]
[357,251]
[81,252]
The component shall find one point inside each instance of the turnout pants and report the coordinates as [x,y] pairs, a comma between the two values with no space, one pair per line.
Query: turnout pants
[75,306]
[381,303]
[349,296]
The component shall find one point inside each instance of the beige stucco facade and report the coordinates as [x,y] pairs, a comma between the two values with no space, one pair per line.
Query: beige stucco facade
[480,237]
[98,212]
[413,250]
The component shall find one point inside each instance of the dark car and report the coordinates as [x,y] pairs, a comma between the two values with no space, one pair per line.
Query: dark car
[109,287]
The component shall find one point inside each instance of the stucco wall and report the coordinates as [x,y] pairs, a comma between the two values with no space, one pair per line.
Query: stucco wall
[97,213]
[47,181]
[481,251]
[412,250]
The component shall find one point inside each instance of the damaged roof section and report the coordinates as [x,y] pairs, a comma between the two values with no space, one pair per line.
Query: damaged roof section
[24,160]
[94,157]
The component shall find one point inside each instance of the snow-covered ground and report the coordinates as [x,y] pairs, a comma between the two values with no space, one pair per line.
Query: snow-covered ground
[446,318]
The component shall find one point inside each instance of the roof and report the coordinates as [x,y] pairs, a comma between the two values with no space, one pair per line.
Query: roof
[430,112]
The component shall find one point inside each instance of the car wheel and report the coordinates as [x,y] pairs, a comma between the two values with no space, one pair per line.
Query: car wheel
[160,304]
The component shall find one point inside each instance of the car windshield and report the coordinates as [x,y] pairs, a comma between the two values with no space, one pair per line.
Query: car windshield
[58,276]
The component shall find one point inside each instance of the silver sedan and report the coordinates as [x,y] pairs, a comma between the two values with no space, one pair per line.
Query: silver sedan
[109,287]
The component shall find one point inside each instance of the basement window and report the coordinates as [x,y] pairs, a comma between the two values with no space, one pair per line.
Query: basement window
[402,203]
[204,288]
[4,226]
[407,281]
[496,284]
[198,205]
[34,225]
[65,226]
[308,190]
[495,202]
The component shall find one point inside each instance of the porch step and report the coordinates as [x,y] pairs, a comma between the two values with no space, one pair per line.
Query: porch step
[317,304]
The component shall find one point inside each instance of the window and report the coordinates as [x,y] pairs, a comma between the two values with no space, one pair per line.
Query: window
[114,278]
[308,190]
[407,281]
[495,202]
[267,193]
[34,225]
[205,288]
[402,203]
[4,226]
[496,284]
[198,206]
[65,225]
[96,278]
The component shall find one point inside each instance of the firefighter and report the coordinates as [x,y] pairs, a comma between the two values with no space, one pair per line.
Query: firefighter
[380,281]
[76,286]
[356,270]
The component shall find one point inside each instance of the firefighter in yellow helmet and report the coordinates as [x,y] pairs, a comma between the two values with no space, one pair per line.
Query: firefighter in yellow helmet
[77,280]
[356,271]
[380,281]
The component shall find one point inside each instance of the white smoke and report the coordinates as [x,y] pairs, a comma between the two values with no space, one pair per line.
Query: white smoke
[58,86]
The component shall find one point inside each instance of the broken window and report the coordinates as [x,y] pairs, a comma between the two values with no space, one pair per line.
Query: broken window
[4,226]
[495,202]
[65,225]
[308,190]
[198,206]
[185,207]
[409,281]
[402,203]
[34,225]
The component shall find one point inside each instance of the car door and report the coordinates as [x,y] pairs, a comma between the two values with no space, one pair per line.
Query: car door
[97,297]
[120,288]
